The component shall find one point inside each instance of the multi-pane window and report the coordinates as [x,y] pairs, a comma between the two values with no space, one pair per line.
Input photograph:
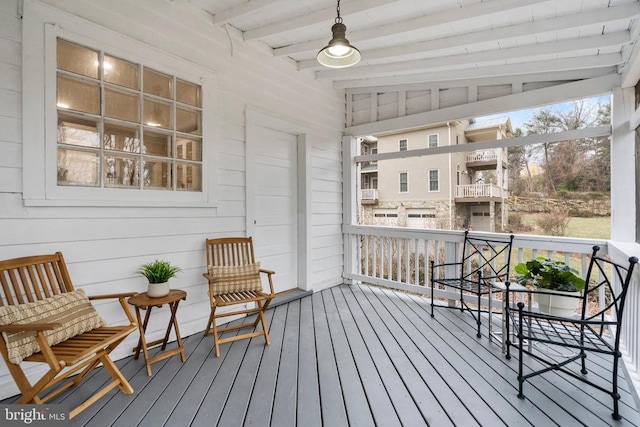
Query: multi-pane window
[124,125]
[434,180]
[433,140]
[403,145]
[404,182]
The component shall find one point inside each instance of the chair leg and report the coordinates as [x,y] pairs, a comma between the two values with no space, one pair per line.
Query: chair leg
[614,390]
[520,354]
[506,313]
[478,321]
[432,285]
[215,333]
[115,373]
[264,325]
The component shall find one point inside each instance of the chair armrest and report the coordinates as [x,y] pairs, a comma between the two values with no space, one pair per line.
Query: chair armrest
[445,264]
[109,296]
[29,327]
[262,270]
[123,303]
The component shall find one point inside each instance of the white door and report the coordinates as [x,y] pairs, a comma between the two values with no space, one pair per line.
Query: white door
[274,201]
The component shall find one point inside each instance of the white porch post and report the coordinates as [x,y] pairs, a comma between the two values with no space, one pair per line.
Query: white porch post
[623,166]
[349,204]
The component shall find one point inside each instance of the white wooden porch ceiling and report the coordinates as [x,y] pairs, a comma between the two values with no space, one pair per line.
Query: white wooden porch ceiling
[417,41]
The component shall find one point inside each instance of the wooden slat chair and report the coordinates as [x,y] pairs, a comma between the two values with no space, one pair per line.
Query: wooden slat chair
[484,261]
[234,278]
[44,281]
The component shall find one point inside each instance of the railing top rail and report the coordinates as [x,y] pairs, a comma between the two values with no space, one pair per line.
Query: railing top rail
[553,243]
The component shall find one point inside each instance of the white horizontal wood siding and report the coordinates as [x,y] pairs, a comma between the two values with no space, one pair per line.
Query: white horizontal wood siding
[104,246]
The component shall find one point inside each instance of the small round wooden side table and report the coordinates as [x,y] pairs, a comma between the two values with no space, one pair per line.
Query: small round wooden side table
[145,302]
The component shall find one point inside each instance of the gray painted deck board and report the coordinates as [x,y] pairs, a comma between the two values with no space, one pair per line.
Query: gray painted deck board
[308,383]
[334,412]
[260,405]
[350,355]
[284,400]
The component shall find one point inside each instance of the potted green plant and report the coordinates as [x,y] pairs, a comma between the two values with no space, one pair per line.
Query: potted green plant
[557,280]
[158,274]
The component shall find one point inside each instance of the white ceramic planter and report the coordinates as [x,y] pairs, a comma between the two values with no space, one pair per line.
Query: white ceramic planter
[156,290]
[557,303]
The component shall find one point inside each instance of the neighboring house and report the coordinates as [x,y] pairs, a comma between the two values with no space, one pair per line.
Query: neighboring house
[444,191]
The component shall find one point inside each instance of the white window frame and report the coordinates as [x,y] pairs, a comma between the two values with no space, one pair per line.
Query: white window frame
[406,144]
[42,25]
[429,140]
[400,182]
[429,180]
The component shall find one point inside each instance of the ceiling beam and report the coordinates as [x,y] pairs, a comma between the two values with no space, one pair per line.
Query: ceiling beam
[475,11]
[557,77]
[506,71]
[593,17]
[476,59]
[518,101]
[245,8]
[325,15]
[567,135]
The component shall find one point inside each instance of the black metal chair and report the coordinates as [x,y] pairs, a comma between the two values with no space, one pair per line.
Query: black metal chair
[587,332]
[484,261]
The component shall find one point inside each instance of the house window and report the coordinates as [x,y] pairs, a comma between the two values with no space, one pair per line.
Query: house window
[110,121]
[404,182]
[434,180]
[365,182]
[433,140]
[457,139]
[374,182]
[403,145]
[123,125]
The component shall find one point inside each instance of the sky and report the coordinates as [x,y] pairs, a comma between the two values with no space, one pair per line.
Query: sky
[518,118]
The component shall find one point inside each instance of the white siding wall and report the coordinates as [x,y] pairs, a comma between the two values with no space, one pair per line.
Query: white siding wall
[104,246]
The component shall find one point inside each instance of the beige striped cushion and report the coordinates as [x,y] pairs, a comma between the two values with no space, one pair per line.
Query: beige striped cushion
[236,278]
[72,309]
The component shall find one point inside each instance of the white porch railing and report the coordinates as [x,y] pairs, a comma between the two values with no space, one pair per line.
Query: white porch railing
[478,190]
[369,194]
[399,258]
[482,156]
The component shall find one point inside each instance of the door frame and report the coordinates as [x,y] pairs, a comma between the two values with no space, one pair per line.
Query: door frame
[256,118]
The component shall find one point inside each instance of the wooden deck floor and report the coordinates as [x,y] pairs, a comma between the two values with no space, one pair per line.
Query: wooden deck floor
[350,355]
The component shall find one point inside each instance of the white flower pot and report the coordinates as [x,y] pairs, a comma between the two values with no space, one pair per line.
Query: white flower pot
[557,303]
[156,290]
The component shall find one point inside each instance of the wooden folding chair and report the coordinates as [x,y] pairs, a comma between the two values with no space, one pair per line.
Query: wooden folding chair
[234,278]
[42,284]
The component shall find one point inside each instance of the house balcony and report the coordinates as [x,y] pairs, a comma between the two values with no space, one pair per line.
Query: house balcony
[369,196]
[484,160]
[370,167]
[365,355]
[478,193]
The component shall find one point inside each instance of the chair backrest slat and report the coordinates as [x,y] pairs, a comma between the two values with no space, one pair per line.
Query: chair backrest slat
[34,278]
[604,273]
[494,264]
[230,251]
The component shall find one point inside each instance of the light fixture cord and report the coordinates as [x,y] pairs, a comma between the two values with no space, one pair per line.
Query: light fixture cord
[338,18]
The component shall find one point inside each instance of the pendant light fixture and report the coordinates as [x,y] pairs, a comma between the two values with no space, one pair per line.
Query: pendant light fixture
[338,53]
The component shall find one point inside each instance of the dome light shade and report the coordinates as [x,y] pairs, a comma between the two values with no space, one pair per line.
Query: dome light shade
[338,53]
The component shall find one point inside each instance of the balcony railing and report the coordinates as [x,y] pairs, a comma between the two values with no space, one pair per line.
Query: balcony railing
[369,194]
[477,190]
[482,156]
[398,258]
